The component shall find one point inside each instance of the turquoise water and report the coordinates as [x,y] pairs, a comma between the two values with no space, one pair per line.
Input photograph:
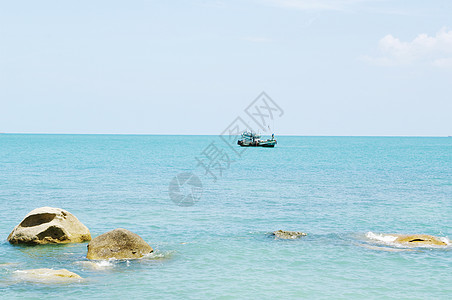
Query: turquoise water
[337,189]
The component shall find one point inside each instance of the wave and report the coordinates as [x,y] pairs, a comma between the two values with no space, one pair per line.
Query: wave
[385,238]
[97,265]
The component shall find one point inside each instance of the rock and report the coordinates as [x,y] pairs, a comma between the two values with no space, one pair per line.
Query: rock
[288,235]
[411,240]
[419,240]
[119,244]
[47,275]
[49,225]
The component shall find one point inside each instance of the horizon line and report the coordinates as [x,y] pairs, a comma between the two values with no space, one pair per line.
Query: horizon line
[178,134]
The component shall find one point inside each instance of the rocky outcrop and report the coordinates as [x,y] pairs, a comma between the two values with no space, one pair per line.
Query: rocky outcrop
[47,275]
[118,244]
[288,235]
[419,240]
[49,225]
[410,240]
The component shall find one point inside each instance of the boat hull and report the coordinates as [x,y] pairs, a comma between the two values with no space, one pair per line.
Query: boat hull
[266,144]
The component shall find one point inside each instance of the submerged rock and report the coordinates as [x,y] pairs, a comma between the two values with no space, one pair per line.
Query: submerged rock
[118,244]
[419,240]
[47,275]
[49,225]
[388,249]
[288,235]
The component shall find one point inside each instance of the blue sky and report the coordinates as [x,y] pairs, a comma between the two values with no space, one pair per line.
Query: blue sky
[344,67]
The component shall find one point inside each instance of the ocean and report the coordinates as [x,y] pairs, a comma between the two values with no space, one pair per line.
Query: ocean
[346,193]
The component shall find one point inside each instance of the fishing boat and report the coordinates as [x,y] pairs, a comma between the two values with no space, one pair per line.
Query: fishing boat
[251,139]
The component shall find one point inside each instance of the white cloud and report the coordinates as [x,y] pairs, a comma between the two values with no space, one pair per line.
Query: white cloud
[317,4]
[370,6]
[443,62]
[432,50]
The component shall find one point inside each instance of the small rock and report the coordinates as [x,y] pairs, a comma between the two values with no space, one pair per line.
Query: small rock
[47,275]
[288,235]
[49,225]
[118,244]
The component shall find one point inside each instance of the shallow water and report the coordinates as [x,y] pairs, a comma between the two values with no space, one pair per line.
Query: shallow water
[336,189]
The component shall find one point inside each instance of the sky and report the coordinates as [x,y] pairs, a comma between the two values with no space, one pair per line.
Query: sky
[335,67]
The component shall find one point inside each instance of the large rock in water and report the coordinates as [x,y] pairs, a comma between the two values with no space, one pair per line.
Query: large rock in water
[418,240]
[119,244]
[49,225]
[288,235]
[47,275]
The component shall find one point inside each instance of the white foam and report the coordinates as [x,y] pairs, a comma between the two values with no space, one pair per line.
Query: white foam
[445,240]
[159,255]
[105,263]
[386,238]
[97,265]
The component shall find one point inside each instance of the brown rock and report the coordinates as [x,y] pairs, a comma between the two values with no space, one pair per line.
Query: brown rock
[119,244]
[288,235]
[419,239]
[49,225]
[47,275]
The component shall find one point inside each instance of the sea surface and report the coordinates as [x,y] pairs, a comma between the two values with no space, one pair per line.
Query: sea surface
[346,193]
